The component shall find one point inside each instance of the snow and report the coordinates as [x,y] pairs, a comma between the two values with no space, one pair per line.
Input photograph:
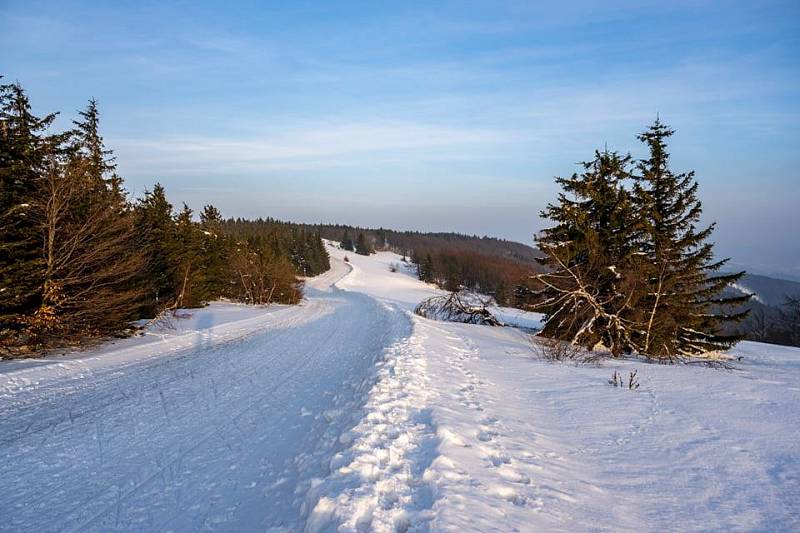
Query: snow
[349,413]
[467,430]
[745,290]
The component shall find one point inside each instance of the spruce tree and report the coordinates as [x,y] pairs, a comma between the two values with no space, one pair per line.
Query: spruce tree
[591,285]
[24,150]
[100,162]
[215,252]
[347,242]
[87,224]
[425,269]
[362,246]
[186,256]
[684,308]
[155,236]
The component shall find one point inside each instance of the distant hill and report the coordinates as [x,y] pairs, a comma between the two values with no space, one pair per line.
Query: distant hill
[769,319]
[404,242]
[767,290]
[451,260]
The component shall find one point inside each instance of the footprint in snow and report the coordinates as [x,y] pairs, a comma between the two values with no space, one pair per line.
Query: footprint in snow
[486,435]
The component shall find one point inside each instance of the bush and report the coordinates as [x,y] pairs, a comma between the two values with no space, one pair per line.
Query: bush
[617,381]
[556,350]
[456,307]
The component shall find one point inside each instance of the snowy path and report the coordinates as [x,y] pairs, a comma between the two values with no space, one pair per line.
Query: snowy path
[467,430]
[226,434]
[348,413]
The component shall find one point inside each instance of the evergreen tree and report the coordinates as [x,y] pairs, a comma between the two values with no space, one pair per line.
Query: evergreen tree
[591,284]
[347,242]
[425,269]
[362,246]
[87,224]
[684,308]
[187,259]
[99,162]
[216,248]
[380,238]
[25,148]
[155,236]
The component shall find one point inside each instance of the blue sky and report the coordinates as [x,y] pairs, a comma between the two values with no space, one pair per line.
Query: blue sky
[431,116]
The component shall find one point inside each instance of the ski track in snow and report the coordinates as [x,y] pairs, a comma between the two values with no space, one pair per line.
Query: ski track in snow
[348,413]
[222,435]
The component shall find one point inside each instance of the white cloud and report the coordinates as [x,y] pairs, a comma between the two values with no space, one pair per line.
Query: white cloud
[313,146]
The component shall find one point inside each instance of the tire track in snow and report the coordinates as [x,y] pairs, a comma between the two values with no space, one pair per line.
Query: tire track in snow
[173,432]
[93,521]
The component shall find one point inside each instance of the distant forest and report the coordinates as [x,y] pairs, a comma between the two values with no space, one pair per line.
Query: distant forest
[451,260]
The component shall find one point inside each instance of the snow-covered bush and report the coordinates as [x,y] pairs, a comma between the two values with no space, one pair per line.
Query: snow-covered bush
[457,307]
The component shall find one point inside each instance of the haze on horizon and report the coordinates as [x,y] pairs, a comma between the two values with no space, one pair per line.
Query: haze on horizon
[452,117]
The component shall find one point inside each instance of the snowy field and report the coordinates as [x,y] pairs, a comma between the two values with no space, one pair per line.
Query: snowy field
[349,413]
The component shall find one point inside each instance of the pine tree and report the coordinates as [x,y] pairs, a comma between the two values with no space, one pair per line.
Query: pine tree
[590,288]
[216,248]
[84,216]
[100,162]
[685,311]
[347,242]
[155,236]
[24,150]
[187,259]
[362,246]
[425,268]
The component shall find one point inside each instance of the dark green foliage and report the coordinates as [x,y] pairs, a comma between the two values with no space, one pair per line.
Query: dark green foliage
[363,246]
[627,266]
[191,263]
[686,312]
[155,236]
[24,150]
[590,291]
[187,255]
[425,267]
[215,246]
[302,246]
[347,242]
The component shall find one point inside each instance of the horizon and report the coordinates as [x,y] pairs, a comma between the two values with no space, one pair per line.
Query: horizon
[438,119]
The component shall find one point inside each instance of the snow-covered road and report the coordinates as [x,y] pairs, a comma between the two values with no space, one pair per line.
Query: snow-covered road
[348,413]
[222,434]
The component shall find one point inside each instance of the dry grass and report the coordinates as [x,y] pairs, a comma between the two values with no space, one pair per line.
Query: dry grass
[556,350]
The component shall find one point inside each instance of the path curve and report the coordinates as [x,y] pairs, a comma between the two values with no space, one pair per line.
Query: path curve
[224,434]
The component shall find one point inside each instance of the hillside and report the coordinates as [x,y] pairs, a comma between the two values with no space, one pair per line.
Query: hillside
[768,290]
[408,241]
[451,260]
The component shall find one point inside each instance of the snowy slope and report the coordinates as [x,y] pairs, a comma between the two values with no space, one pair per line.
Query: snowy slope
[350,413]
[467,431]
